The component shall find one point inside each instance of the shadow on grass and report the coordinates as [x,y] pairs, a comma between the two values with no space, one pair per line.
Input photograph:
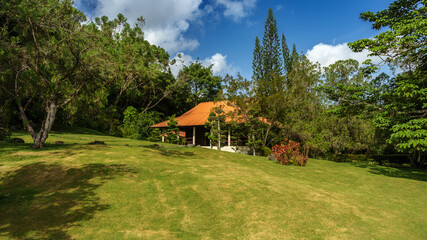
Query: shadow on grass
[171,152]
[58,129]
[41,201]
[54,150]
[419,174]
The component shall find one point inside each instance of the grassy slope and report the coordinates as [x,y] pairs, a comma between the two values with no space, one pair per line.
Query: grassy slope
[114,191]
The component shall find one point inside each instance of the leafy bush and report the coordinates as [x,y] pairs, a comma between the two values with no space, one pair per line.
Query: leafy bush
[290,152]
[156,135]
[265,151]
[137,125]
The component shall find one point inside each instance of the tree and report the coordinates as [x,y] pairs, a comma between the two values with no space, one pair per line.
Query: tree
[272,63]
[136,124]
[287,59]
[402,107]
[404,42]
[344,82]
[201,84]
[269,82]
[257,61]
[54,58]
[216,124]
[172,131]
[246,121]
[294,55]
[136,68]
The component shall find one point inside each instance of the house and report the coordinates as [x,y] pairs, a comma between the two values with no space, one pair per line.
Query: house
[193,123]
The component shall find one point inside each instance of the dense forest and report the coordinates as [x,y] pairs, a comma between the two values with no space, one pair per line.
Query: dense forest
[59,68]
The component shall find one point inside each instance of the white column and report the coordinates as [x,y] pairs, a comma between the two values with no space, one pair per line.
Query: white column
[177,134]
[163,135]
[194,135]
[210,142]
[229,138]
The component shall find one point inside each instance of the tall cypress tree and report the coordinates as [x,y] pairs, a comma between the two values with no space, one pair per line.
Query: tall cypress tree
[272,61]
[257,61]
[287,60]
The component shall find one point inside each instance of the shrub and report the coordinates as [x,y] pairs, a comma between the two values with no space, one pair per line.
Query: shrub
[265,151]
[290,152]
[137,125]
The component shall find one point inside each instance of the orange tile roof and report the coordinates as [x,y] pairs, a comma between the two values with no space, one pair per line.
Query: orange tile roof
[198,115]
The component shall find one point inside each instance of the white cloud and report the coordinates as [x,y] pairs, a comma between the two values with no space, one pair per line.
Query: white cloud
[237,9]
[166,20]
[218,62]
[327,54]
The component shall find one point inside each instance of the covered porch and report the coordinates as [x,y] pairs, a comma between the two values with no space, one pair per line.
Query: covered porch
[196,135]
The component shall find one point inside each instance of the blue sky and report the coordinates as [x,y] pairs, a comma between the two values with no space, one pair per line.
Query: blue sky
[222,32]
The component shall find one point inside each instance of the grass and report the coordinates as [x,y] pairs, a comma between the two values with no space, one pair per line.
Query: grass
[81,191]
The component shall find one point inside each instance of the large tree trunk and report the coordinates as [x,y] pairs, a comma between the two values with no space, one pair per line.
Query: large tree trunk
[46,126]
[27,124]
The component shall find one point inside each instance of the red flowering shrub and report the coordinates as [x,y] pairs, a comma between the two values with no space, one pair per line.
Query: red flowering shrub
[290,152]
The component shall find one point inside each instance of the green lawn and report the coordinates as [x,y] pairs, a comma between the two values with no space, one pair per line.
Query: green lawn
[81,191]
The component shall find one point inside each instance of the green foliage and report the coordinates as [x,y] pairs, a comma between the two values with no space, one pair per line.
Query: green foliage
[411,137]
[130,123]
[200,83]
[294,56]
[271,60]
[345,85]
[267,63]
[49,57]
[172,131]
[83,74]
[400,103]
[287,59]
[218,128]
[247,124]
[257,61]
[403,42]
[155,135]
[137,125]
[265,151]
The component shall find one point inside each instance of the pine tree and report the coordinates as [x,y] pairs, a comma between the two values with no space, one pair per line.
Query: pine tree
[257,61]
[286,55]
[294,55]
[272,61]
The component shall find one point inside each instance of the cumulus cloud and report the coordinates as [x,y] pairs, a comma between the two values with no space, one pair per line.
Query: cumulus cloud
[218,62]
[327,54]
[166,20]
[237,9]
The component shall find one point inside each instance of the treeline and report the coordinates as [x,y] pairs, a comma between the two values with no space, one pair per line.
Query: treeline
[58,66]
[342,108]
[287,98]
